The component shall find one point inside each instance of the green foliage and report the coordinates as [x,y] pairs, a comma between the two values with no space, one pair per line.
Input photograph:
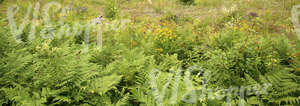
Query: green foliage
[7,44]
[240,60]
[52,75]
[111,9]
[234,50]
[188,2]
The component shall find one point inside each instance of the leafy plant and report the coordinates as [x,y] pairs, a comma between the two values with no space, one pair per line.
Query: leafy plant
[48,75]
[239,60]
[188,2]
[111,9]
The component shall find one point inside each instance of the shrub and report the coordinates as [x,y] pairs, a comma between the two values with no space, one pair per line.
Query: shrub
[236,59]
[111,10]
[187,2]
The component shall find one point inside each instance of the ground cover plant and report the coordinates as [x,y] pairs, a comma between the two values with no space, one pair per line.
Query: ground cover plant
[149,52]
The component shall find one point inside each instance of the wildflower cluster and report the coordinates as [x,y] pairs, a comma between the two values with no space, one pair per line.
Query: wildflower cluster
[162,33]
[211,32]
[45,48]
[242,26]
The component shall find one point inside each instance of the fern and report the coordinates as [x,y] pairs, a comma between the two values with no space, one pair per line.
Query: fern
[52,75]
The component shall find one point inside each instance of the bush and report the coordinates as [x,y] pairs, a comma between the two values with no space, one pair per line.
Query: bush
[187,2]
[111,10]
[236,59]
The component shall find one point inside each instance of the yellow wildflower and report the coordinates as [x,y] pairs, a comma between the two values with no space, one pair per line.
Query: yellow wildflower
[293,55]
[134,43]
[38,47]
[245,26]
[235,27]
[159,49]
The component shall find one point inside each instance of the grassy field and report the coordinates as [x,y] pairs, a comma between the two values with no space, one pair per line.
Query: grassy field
[149,52]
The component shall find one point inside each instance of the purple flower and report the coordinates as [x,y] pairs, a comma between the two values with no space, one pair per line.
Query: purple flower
[84,9]
[98,20]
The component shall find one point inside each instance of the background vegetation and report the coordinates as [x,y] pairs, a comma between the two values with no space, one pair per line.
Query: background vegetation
[242,43]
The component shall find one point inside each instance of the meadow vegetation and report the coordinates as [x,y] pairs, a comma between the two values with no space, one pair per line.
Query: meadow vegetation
[240,43]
